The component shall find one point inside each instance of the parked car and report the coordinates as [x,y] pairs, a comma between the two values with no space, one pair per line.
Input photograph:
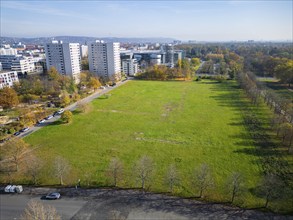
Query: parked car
[60,111]
[16,133]
[13,189]
[54,195]
[7,188]
[41,121]
[49,117]
[24,129]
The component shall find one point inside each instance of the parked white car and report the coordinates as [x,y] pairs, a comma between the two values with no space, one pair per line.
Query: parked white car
[60,111]
[7,188]
[18,189]
[13,189]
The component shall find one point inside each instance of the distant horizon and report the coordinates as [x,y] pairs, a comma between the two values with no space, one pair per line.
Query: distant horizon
[101,38]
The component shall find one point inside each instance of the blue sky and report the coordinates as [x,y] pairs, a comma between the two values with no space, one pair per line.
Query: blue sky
[183,20]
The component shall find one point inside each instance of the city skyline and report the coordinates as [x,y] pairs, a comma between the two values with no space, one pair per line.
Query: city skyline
[182,20]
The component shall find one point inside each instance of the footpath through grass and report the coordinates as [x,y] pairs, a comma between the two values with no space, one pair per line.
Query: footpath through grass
[181,123]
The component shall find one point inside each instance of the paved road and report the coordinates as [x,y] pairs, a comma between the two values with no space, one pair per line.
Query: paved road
[72,107]
[96,204]
[12,206]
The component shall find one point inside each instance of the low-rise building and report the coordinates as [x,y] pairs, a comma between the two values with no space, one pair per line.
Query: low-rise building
[23,65]
[6,61]
[129,67]
[8,51]
[8,78]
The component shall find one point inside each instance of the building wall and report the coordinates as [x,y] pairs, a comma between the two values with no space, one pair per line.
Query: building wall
[54,57]
[23,65]
[113,60]
[8,79]
[104,60]
[84,50]
[8,51]
[71,54]
[65,57]
[130,67]
[6,61]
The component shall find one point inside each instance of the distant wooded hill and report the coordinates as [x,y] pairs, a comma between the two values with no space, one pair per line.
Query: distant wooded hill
[82,39]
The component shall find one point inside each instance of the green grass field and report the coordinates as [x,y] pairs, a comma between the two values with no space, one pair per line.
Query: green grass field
[181,123]
[282,89]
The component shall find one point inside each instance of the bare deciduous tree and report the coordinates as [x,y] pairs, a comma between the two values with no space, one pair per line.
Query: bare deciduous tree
[7,168]
[33,168]
[14,151]
[234,185]
[115,171]
[203,179]
[172,177]
[83,107]
[36,210]
[271,188]
[143,170]
[61,168]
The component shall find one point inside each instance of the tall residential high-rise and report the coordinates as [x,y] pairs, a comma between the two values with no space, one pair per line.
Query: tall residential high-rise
[104,60]
[84,50]
[65,57]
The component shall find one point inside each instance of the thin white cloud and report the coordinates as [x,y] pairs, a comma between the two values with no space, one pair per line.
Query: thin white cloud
[35,7]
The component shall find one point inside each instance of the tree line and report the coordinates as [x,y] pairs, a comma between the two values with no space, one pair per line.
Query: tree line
[263,59]
[282,121]
[183,70]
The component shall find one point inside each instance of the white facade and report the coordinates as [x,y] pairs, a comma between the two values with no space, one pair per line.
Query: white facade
[65,57]
[84,50]
[8,51]
[155,59]
[129,67]
[8,79]
[104,60]
[23,65]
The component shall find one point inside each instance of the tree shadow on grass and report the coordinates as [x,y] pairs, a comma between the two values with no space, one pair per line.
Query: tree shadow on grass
[76,112]
[58,122]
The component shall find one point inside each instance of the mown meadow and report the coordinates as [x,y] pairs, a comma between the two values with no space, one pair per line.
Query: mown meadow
[181,123]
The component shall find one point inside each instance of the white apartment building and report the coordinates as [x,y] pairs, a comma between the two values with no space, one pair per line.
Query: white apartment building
[65,57]
[8,78]
[23,65]
[8,51]
[104,60]
[129,67]
[84,50]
